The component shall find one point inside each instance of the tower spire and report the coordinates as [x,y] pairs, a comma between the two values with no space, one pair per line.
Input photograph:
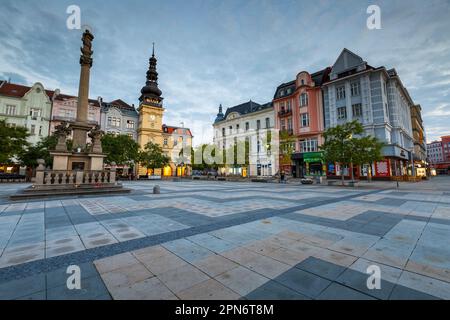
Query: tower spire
[150,92]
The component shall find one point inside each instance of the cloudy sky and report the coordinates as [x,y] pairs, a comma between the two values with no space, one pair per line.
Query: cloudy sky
[211,52]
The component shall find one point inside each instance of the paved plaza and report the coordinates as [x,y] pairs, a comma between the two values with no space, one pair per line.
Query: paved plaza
[230,240]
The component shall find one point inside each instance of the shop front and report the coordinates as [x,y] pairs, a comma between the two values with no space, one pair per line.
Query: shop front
[314,164]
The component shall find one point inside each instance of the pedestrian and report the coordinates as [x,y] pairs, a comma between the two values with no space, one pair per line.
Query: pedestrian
[282,177]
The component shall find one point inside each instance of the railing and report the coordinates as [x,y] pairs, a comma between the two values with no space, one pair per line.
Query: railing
[75,178]
[284,113]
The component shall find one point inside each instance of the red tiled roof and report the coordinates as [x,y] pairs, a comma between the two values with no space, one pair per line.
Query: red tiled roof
[18,90]
[171,129]
[62,96]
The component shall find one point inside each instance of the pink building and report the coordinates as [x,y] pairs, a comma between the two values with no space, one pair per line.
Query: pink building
[299,112]
[65,109]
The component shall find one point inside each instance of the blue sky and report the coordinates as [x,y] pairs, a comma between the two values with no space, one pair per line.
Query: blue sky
[211,52]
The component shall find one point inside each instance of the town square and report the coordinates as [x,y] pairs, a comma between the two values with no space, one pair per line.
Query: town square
[159,161]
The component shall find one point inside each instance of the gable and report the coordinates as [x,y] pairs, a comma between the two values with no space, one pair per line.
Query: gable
[346,61]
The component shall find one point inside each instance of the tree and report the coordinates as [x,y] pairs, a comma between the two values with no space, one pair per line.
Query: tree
[13,141]
[153,157]
[41,150]
[344,145]
[367,150]
[205,165]
[121,149]
[286,147]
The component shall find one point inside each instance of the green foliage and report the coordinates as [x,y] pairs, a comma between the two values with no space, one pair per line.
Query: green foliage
[121,149]
[204,165]
[41,150]
[13,141]
[152,156]
[286,147]
[345,145]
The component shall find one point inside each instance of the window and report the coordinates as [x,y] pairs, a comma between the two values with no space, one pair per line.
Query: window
[34,113]
[354,88]
[283,125]
[91,116]
[33,130]
[223,132]
[289,105]
[237,128]
[165,141]
[357,110]
[258,124]
[308,145]
[231,129]
[290,124]
[267,123]
[40,130]
[258,147]
[303,99]
[130,124]
[340,93]
[302,82]
[10,110]
[247,126]
[114,122]
[304,119]
[342,113]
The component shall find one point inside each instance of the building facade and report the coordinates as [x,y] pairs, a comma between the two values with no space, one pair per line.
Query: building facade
[445,140]
[64,108]
[298,107]
[119,118]
[249,122]
[420,147]
[28,107]
[174,140]
[435,152]
[377,98]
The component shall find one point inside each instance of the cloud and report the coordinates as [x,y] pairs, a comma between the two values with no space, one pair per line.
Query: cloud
[212,52]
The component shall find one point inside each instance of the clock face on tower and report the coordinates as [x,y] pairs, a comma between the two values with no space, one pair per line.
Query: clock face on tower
[152,117]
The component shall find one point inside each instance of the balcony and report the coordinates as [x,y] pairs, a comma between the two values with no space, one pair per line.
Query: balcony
[284,113]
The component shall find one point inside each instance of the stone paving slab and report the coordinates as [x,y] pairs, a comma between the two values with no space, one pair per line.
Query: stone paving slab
[212,240]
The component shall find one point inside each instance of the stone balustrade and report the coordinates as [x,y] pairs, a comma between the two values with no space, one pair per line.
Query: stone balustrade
[48,178]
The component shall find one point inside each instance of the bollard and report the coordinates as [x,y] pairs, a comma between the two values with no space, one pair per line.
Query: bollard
[156,190]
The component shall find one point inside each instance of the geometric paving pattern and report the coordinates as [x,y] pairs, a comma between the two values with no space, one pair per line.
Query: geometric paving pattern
[221,240]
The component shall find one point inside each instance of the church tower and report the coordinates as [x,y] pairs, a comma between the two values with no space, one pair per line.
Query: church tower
[150,112]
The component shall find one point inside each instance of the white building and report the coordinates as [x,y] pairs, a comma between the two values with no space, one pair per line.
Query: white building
[377,98]
[250,122]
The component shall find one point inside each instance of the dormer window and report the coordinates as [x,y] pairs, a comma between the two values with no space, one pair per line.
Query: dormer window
[302,82]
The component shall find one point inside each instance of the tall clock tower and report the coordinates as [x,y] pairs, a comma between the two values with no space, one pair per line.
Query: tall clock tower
[150,112]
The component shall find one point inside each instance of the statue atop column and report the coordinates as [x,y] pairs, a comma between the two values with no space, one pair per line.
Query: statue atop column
[96,135]
[61,132]
[86,49]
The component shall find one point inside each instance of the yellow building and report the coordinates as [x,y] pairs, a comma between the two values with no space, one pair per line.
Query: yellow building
[151,127]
